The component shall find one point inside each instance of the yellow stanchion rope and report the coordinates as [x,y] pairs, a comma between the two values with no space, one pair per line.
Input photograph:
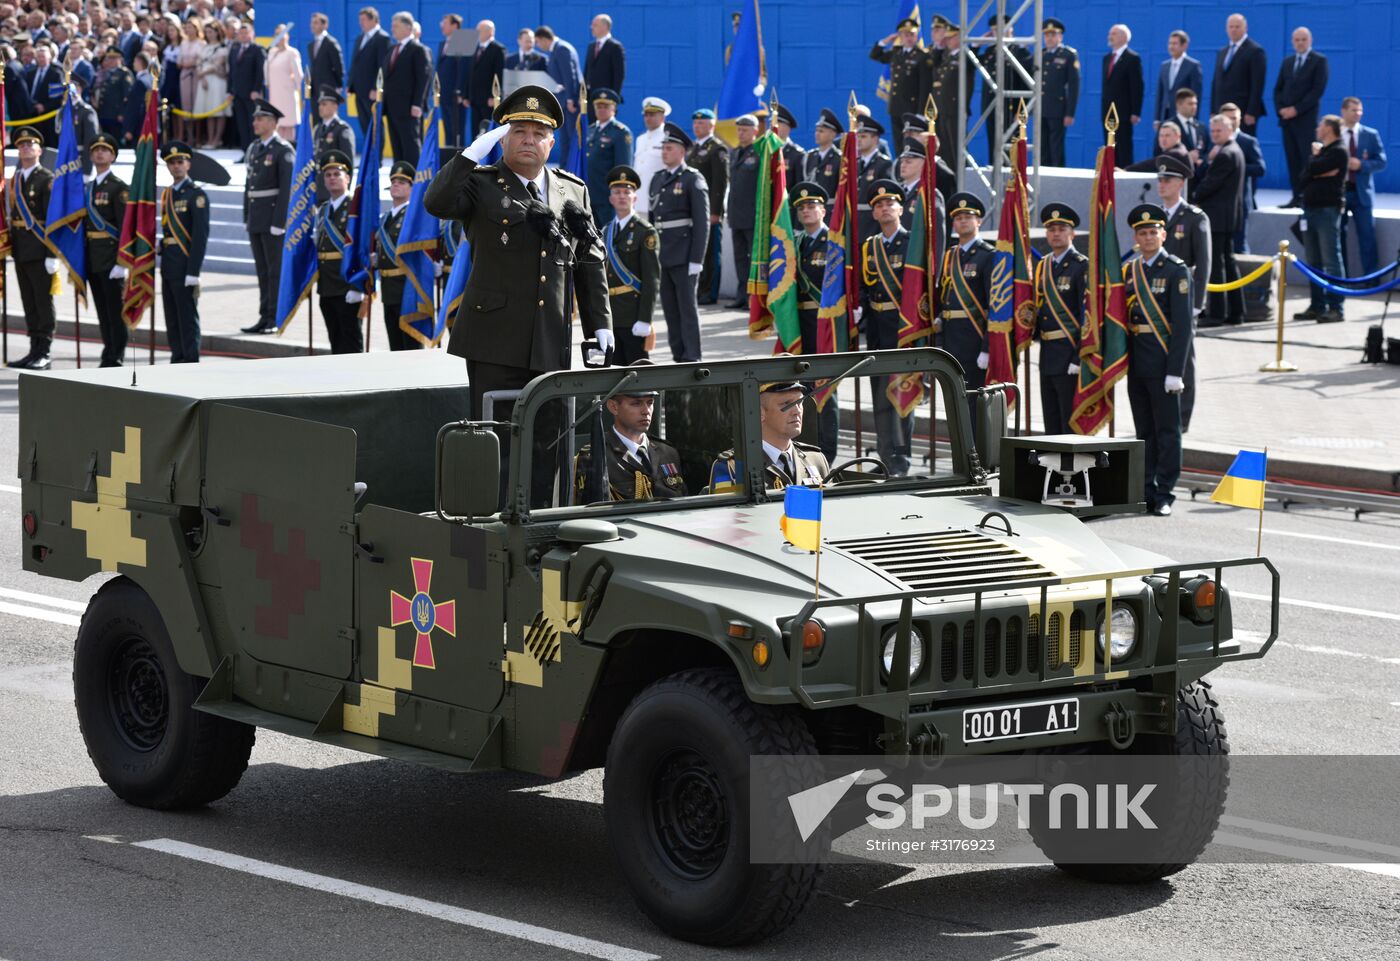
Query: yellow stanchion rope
[32,120]
[202,116]
[1245,281]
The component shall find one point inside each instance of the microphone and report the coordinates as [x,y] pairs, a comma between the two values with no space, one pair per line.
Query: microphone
[579,223]
[541,218]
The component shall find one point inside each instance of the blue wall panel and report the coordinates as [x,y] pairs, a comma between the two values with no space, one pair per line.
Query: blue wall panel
[817,50]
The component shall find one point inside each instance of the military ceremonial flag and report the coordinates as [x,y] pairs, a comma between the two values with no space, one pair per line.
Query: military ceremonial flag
[418,240]
[836,325]
[773,267]
[745,76]
[802,517]
[4,185]
[363,221]
[907,9]
[136,250]
[1103,349]
[1011,319]
[460,253]
[299,242]
[66,219]
[576,162]
[920,284]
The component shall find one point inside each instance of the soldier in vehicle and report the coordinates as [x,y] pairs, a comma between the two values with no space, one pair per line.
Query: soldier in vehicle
[785,460]
[1060,280]
[639,467]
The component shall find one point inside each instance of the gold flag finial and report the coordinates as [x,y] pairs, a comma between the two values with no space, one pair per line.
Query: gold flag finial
[379,81]
[931,111]
[1110,122]
[851,110]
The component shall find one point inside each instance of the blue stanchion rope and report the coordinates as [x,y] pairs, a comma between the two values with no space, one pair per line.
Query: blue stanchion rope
[1321,281]
[1374,275]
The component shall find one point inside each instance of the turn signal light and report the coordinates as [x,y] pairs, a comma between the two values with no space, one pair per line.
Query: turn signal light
[813,640]
[31,523]
[760,654]
[1205,594]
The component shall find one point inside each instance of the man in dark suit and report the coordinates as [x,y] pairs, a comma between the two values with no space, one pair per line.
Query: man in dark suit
[1193,133]
[1302,79]
[130,39]
[605,63]
[44,83]
[1168,145]
[366,58]
[564,68]
[451,69]
[1122,88]
[1178,72]
[1240,67]
[324,56]
[407,90]
[1219,191]
[482,82]
[526,57]
[1254,169]
[247,81]
[1365,156]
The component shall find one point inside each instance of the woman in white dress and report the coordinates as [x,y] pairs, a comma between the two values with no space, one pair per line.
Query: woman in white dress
[212,90]
[284,80]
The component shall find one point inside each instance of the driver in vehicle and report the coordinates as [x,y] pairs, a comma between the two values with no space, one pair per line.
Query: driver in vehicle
[639,467]
[787,461]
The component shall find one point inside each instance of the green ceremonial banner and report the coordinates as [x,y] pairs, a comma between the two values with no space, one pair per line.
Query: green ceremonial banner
[773,265]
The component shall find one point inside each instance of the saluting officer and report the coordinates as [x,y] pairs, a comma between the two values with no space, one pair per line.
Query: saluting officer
[106,208]
[743,186]
[1061,278]
[943,67]
[265,198]
[639,467]
[184,228]
[872,166]
[793,155]
[609,146]
[1008,79]
[386,242]
[634,268]
[331,133]
[907,61]
[710,156]
[822,165]
[1188,237]
[965,294]
[809,201]
[680,211]
[1059,92]
[1159,317]
[786,462]
[35,264]
[340,302]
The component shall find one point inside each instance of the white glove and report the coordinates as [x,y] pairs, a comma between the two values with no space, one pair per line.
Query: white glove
[641,329]
[695,269]
[278,231]
[51,264]
[437,269]
[482,145]
[606,341]
[192,281]
[855,314]
[1175,385]
[982,360]
[117,273]
[1073,370]
[354,296]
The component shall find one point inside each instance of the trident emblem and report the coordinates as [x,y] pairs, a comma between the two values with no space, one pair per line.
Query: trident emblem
[422,613]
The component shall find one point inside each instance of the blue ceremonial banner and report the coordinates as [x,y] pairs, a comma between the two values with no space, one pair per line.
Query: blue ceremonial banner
[460,253]
[576,162]
[746,75]
[67,213]
[299,242]
[418,236]
[907,9]
[364,208]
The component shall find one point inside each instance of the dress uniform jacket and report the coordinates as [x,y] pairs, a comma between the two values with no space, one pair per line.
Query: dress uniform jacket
[880,306]
[943,66]
[908,81]
[184,225]
[964,302]
[391,277]
[823,169]
[811,469]
[657,477]
[1059,98]
[111,99]
[711,158]
[1010,79]
[513,312]
[793,159]
[332,134]
[106,203]
[811,262]
[330,224]
[680,210]
[269,186]
[29,254]
[609,146]
[634,281]
[1158,352]
[1059,300]
[646,160]
[877,167]
[1188,237]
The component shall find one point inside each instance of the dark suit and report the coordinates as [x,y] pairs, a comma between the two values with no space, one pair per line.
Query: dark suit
[1156,413]
[534,60]
[1188,237]
[1123,88]
[17,103]
[1058,331]
[184,227]
[450,72]
[604,66]
[1194,135]
[327,64]
[711,158]
[134,112]
[563,67]
[1219,191]
[45,90]
[130,46]
[637,247]
[484,71]
[680,208]
[1241,83]
[1149,164]
[1253,170]
[366,57]
[247,75]
[407,76]
[1189,76]
[1300,88]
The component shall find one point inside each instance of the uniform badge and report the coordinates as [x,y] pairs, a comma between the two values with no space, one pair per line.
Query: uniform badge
[532,103]
[505,203]
[678,188]
[199,201]
[870,175]
[1180,230]
[1182,286]
[1159,285]
[651,241]
[505,238]
[267,161]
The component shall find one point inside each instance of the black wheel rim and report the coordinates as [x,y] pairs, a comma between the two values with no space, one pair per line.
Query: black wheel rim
[690,816]
[137,694]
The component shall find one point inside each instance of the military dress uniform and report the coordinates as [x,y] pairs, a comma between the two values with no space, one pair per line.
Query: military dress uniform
[882,272]
[392,277]
[111,99]
[943,67]
[341,315]
[823,167]
[1188,237]
[802,465]
[1059,96]
[647,471]
[184,228]
[743,187]
[965,295]
[106,206]
[870,169]
[793,155]
[908,76]
[711,157]
[634,274]
[680,211]
[1060,285]
[609,146]
[333,134]
[29,205]
[1159,319]
[811,265]
[265,198]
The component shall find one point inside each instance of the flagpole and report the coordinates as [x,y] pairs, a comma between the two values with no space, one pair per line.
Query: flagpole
[77,329]
[1110,126]
[1259,538]
[854,229]
[817,579]
[4,261]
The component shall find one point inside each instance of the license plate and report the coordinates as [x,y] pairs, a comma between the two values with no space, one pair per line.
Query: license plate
[1020,720]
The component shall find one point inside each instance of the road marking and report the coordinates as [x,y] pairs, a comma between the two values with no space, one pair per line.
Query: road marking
[391,899]
[39,614]
[10,489]
[1250,637]
[44,599]
[1319,606]
[1313,837]
[1310,855]
[1270,532]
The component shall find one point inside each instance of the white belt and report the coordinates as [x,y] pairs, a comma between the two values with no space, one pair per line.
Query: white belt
[684,222]
[263,193]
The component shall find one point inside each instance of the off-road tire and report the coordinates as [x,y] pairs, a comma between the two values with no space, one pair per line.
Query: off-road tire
[136,708]
[701,722]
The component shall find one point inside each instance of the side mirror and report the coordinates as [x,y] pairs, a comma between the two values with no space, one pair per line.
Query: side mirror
[467,476]
[989,427]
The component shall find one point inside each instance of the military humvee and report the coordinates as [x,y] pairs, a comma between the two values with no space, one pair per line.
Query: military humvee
[321,547]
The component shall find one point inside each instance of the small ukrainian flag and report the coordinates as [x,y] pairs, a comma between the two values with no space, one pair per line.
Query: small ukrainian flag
[1243,483]
[724,476]
[802,517]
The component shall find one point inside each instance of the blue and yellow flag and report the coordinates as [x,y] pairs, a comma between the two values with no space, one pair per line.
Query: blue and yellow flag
[364,208]
[299,242]
[1243,483]
[725,476]
[460,253]
[745,76]
[802,517]
[576,162]
[65,220]
[417,237]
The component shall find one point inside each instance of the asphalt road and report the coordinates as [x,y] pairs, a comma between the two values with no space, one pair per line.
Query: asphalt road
[364,858]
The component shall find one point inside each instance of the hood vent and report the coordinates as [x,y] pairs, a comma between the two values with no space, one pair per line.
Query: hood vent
[952,560]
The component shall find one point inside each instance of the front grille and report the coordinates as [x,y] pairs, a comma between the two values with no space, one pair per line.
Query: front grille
[944,559]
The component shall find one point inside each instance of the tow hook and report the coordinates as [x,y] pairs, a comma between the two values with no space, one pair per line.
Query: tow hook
[927,742]
[1119,722]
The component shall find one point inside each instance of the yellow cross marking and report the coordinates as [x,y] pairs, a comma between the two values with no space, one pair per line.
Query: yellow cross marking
[108,522]
[378,695]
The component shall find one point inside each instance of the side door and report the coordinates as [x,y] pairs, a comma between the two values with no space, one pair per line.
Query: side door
[283,489]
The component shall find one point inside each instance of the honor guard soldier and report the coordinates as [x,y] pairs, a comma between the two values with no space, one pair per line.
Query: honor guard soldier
[943,86]
[1188,237]
[1061,279]
[184,229]
[786,462]
[634,268]
[106,209]
[822,165]
[386,242]
[35,264]
[710,156]
[1059,91]
[809,201]
[911,172]
[515,320]
[872,166]
[680,211]
[265,197]
[743,189]
[965,297]
[340,302]
[331,133]
[882,255]
[793,155]
[609,146]
[639,467]
[1159,319]
[907,61]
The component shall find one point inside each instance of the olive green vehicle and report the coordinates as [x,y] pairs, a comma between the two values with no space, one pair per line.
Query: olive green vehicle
[320,546]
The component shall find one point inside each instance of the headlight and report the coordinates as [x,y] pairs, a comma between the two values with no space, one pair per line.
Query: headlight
[1125,631]
[916,650]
